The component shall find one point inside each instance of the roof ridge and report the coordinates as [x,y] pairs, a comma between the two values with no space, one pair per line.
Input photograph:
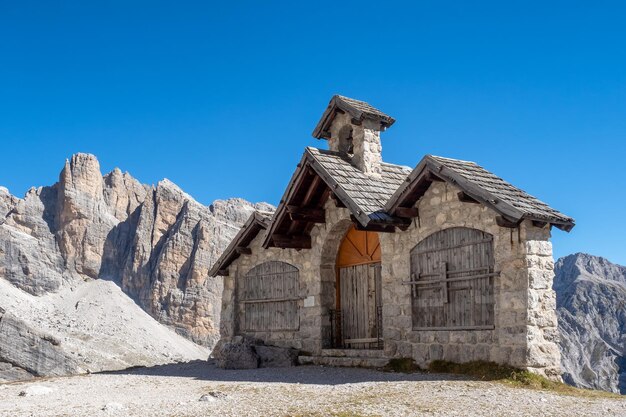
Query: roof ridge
[395,165]
[451,159]
[341,154]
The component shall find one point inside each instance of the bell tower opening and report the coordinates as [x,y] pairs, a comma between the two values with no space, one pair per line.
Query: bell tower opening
[353,128]
[345,144]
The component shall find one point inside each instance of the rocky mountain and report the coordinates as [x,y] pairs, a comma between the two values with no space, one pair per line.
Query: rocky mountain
[591,308]
[156,243]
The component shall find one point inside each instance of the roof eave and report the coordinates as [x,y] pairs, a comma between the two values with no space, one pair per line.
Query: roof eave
[255,221]
[280,210]
[308,160]
[321,129]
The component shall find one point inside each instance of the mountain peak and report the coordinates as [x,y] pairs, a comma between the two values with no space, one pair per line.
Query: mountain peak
[589,265]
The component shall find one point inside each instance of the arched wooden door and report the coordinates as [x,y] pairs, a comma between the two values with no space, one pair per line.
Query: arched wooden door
[452,275]
[359,298]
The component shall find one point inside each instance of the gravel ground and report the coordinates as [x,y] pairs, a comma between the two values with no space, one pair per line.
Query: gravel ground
[198,388]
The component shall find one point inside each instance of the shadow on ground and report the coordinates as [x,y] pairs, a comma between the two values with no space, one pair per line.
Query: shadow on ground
[314,375]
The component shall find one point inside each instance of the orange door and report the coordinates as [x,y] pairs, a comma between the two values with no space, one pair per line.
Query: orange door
[359,289]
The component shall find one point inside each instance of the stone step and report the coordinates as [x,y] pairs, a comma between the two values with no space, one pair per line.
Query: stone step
[354,353]
[360,362]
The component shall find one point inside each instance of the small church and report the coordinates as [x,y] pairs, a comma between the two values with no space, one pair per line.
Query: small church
[364,260]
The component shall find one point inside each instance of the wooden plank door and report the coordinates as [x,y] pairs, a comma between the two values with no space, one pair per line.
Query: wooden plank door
[452,276]
[360,289]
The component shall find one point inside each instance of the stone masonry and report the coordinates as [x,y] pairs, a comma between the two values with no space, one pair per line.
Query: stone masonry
[525,321]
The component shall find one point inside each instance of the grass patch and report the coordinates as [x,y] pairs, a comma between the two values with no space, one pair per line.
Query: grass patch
[489,371]
[405,365]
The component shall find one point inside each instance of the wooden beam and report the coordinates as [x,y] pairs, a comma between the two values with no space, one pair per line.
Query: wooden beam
[464,197]
[407,212]
[397,221]
[503,222]
[375,228]
[312,187]
[338,202]
[242,250]
[296,242]
[430,176]
[307,214]
[539,224]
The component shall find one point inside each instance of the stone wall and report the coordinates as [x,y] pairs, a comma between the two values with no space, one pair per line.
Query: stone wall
[317,284]
[525,321]
[525,318]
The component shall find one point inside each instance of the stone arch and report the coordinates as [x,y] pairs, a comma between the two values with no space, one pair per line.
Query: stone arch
[328,260]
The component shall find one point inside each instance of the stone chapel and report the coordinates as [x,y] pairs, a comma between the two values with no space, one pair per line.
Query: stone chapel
[364,261]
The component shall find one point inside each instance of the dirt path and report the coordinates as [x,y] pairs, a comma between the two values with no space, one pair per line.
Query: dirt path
[178,390]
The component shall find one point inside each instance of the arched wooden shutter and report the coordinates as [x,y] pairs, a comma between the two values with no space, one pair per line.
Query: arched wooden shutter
[452,273]
[270,294]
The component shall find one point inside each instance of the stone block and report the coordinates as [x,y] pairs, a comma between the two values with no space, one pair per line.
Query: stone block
[451,352]
[459,336]
[442,336]
[543,355]
[466,353]
[539,247]
[272,356]
[390,348]
[413,337]
[518,357]
[404,350]
[436,352]
[540,278]
[426,336]
[391,310]
[391,333]
[235,355]
[482,352]
[485,336]
[500,354]
[421,353]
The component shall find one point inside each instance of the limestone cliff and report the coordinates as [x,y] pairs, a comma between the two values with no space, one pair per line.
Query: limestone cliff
[591,301]
[155,242]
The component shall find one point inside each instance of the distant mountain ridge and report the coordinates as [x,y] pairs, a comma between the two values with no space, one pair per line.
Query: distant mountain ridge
[155,242]
[591,309]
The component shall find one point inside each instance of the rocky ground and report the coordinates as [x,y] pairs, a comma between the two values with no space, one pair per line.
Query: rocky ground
[201,389]
[91,327]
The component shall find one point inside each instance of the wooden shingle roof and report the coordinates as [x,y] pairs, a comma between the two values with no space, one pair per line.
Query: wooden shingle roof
[479,184]
[367,195]
[385,203]
[358,110]
[322,174]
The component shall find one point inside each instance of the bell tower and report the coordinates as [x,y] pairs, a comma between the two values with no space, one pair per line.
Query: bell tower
[353,128]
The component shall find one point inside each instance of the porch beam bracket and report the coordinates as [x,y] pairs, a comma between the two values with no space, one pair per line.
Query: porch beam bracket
[407,212]
[466,198]
[242,250]
[307,214]
[504,222]
[295,242]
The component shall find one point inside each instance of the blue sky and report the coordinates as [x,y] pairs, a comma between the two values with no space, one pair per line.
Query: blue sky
[222,98]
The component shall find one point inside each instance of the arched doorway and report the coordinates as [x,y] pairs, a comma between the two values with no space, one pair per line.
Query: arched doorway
[359,297]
